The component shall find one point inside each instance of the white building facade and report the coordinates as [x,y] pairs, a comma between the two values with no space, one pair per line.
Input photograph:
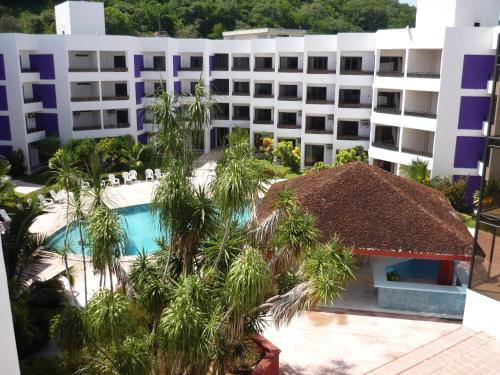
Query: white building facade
[400,94]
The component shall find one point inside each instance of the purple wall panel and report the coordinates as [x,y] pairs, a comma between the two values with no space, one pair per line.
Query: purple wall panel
[138,65]
[142,138]
[44,64]
[176,63]
[2,68]
[5,128]
[45,93]
[4,106]
[49,122]
[477,71]
[468,151]
[177,88]
[140,118]
[139,92]
[473,111]
[5,150]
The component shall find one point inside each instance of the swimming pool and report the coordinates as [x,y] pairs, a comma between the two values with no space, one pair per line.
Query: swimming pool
[139,224]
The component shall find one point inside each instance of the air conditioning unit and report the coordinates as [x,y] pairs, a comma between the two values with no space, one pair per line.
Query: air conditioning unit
[330,117]
[365,123]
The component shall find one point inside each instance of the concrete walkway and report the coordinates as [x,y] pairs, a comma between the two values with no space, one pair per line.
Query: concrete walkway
[332,343]
[23,187]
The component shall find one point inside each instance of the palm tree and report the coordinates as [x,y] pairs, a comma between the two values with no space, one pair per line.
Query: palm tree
[107,239]
[417,171]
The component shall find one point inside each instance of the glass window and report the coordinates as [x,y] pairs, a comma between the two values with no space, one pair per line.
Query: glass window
[241,63]
[317,63]
[313,154]
[351,63]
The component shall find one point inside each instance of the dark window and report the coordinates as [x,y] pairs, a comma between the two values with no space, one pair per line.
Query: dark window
[389,100]
[349,96]
[221,61]
[317,64]
[241,88]
[387,135]
[120,89]
[314,154]
[119,61]
[193,87]
[351,64]
[287,118]
[477,24]
[196,62]
[221,111]
[263,115]
[315,123]
[241,112]
[288,91]
[241,63]
[122,116]
[316,93]
[263,89]
[159,63]
[348,128]
[289,63]
[390,64]
[263,63]
[258,139]
[159,87]
[220,86]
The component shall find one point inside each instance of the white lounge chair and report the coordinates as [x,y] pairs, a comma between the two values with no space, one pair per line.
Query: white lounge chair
[149,175]
[133,175]
[126,178]
[45,202]
[55,196]
[112,180]
[158,173]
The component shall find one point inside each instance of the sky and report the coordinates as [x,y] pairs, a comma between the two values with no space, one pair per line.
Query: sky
[411,2]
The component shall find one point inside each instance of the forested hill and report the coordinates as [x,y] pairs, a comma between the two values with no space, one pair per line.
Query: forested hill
[208,18]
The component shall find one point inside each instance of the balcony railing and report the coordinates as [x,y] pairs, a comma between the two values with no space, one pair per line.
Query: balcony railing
[355,105]
[290,70]
[263,95]
[416,152]
[290,98]
[385,145]
[120,69]
[31,100]
[241,93]
[118,125]
[320,101]
[240,69]
[388,110]
[85,99]
[86,127]
[35,129]
[356,72]
[420,114]
[77,70]
[423,75]
[390,74]
[319,131]
[263,122]
[288,126]
[261,69]
[124,97]
[341,137]
[320,71]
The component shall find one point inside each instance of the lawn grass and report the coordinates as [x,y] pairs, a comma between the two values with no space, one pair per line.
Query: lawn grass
[39,178]
[277,170]
[468,220]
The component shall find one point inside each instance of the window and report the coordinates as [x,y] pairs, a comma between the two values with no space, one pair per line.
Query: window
[263,116]
[241,88]
[122,117]
[192,87]
[477,24]
[287,118]
[289,63]
[119,62]
[351,64]
[389,64]
[263,63]
[196,62]
[348,128]
[159,63]
[221,111]
[159,87]
[120,89]
[241,112]
[314,154]
[241,63]
[263,89]
[315,123]
[221,61]
[288,91]
[350,96]
[316,93]
[220,86]
[389,100]
[317,64]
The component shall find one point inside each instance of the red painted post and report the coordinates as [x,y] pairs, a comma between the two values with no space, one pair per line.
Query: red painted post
[446,271]
[270,363]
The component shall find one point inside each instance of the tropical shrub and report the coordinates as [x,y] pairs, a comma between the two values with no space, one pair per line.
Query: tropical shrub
[289,155]
[47,147]
[267,147]
[454,190]
[239,135]
[417,171]
[16,160]
[491,196]
[357,153]
[321,165]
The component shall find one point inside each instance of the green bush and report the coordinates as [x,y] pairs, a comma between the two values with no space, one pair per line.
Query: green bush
[238,135]
[289,155]
[47,147]
[321,165]
[349,155]
[16,160]
[453,190]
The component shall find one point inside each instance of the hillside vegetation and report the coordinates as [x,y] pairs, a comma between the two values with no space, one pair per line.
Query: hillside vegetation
[209,18]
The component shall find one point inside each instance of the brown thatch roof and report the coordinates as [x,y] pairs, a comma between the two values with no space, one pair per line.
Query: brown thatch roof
[374,211]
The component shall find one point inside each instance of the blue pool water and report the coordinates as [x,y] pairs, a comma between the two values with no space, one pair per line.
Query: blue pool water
[139,224]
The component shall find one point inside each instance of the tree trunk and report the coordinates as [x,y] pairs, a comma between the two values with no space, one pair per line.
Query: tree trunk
[84,262]
[223,244]
[110,278]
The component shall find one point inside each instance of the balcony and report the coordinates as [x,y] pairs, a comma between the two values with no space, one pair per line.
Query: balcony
[119,125]
[241,112]
[385,145]
[417,152]
[388,110]
[290,98]
[288,126]
[263,121]
[355,105]
[424,63]
[85,99]
[353,130]
[241,64]
[220,62]
[263,64]
[220,86]
[382,73]
[32,100]
[424,75]
[86,127]
[420,114]
[421,104]
[36,128]
[263,90]
[221,111]
[82,61]
[114,97]
[154,62]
